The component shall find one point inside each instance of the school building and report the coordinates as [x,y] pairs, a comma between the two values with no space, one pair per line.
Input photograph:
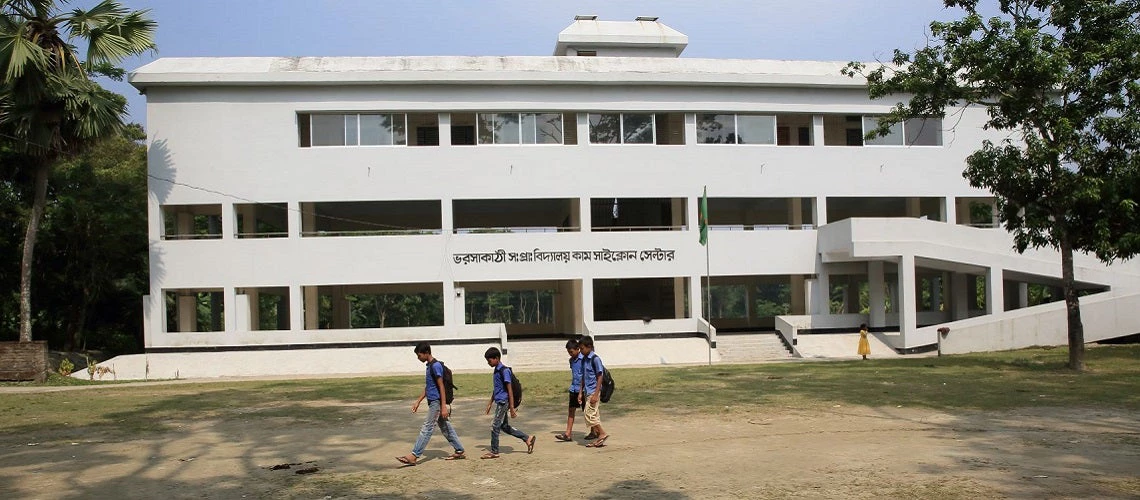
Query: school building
[323,214]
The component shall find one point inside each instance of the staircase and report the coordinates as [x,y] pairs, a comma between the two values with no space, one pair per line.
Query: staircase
[537,355]
[751,347]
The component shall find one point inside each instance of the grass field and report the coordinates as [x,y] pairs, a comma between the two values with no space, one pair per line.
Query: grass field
[991,381]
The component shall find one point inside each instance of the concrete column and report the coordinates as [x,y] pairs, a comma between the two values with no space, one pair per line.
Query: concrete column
[577,305]
[341,314]
[819,215]
[285,311]
[795,212]
[749,306]
[936,292]
[697,296]
[184,222]
[294,216]
[584,215]
[693,208]
[690,129]
[679,298]
[948,209]
[187,311]
[453,314]
[447,213]
[877,316]
[995,291]
[817,130]
[678,212]
[822,301]
[583,129]
[1022,295]
[959,298]
[229,306]
[248,216]
[308,217]
[587,301]
[254,304]
[296,308]
[913,207]
[576,212]
[852,300]
[908,305]
[445,129]
[799,294]
[312,308]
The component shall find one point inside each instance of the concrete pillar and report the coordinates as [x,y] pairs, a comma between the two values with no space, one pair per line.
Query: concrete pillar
[229,307]
[913,207]
[312,308]
[285,311]
[817,130]
[184,222]
[445,129]
[1022,295]
[949,210]
[679,298]
[447,213]
[852,300]
[678,212]
[452,312]
[187,311]
[584,220]
[229,221]
[936,292]
[877,316]
[584,129]
[799,294]
[697,296]
[309,217]
[694,211]
[749,306]
[254,304]
[587,301]
[690,129]
[821,303]
[795,212]
[296,308]
[959,296]
[248,216]
[341,317]
[995,291]
[577,305]
[819,215]
[294,217]
[908,305]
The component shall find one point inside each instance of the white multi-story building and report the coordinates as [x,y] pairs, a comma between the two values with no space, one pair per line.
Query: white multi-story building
[317,214]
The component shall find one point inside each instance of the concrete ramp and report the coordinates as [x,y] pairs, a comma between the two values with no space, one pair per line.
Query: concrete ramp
[840,346]
[1105,316]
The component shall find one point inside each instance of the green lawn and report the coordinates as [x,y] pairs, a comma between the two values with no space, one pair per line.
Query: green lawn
[991,381]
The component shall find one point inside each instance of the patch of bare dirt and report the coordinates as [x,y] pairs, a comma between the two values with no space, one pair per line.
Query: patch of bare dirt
[839,452]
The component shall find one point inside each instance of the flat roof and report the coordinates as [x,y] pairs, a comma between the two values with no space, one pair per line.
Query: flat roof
[594,33]
[510,70]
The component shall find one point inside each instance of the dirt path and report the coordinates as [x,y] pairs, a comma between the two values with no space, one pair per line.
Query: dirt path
[838,452]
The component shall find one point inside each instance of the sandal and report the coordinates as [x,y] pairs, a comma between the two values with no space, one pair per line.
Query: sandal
[563,437]
[407,461]
[590,436]
[530,445]
[489,455]
[459,455]
[599,443]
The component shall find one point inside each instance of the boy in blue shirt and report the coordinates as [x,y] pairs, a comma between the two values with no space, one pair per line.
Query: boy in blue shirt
[502,400]
[438,411]
[592,370]
[575,402]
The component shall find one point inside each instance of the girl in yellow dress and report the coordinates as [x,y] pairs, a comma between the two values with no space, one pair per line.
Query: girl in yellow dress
[864,345]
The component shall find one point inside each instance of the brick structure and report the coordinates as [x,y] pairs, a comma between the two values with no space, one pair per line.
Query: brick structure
[23,360]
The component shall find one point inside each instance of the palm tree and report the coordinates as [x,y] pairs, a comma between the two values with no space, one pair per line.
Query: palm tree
[49,106]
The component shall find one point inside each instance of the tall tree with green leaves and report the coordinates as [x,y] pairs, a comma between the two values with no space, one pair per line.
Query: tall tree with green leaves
[1063,77]
[49,106]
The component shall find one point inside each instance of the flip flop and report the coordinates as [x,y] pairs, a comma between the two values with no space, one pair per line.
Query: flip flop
[406,461]
[599,443]
[563,437]
[456,456]
[530,445]
[489,455]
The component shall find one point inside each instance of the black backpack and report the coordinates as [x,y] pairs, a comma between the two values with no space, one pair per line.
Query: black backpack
[607,385]
[448,383]
[516,385]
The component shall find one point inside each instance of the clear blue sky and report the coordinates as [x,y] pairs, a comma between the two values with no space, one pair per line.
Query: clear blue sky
[839,30]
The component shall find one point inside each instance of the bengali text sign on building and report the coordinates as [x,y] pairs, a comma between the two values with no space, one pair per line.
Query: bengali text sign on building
[565,256]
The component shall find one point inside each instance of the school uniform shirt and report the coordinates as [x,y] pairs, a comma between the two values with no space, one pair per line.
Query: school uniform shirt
[434,371]
[501,374]
[592,367]
[576,373]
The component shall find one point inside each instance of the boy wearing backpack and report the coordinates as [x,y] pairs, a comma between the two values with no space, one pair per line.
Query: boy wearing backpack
[592,373]
[575,402]
[435,391]
[504,399]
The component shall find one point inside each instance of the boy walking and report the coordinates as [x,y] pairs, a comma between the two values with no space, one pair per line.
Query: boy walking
[438,411]
[503,401]
[575,402]
[590,393]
